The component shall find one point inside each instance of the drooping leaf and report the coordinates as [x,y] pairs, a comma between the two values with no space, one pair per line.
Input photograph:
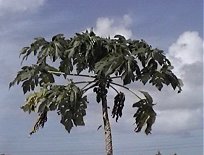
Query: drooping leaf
[140,103]
[150,121]
[67,123]
[72,107]
[145,115]
[148,97]
[42,118]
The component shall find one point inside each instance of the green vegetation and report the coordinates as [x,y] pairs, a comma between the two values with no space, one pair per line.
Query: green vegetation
[103,59]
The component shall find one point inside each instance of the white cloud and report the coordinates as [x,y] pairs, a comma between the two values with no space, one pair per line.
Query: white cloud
[109,27]
[187,50]
[186,54]
[178,112]
[13,6]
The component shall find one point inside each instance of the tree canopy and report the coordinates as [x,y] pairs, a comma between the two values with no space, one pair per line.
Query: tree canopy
[105,59]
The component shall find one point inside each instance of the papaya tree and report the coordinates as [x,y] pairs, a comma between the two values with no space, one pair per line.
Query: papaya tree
[102,60]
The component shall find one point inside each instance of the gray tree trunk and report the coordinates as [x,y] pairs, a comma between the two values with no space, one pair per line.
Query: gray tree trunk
[107,127]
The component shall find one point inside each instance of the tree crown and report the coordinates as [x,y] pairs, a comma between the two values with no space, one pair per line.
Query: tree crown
[106,59]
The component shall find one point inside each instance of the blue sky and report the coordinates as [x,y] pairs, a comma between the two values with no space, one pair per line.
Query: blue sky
[168,25]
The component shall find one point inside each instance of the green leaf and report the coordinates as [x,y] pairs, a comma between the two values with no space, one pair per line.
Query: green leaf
[144,78]
[40,122]
[66,66]
[42,106]
[23,50]
[53,106]
[68,125]
[120,38]
[147,96]
[139,103]
[150,121]
[109,64]
[157,55]
[58,36]
[26,108]
[78,121]
[26,86]
[144,116]
[72,96]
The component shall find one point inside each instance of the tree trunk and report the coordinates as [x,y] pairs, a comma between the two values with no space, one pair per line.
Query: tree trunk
[107,127]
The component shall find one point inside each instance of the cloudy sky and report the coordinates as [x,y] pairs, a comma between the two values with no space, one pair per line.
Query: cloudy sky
[174,26]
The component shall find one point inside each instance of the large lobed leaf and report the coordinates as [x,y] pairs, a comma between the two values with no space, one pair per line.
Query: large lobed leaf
[68,100]
[132,60]
[33,76]
[145,114]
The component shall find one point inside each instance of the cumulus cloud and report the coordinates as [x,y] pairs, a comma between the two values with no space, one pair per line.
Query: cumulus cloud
[109,27]
[13,6]
[178,112]
[187,50]
[186,54]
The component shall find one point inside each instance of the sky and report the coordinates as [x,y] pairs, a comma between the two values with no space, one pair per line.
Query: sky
[173,26]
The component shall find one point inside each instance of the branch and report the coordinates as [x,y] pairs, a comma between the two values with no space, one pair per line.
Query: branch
[79,82]
[89,87]
[115,77]
[114,89]
[56,72]
[87,84]
[126,88]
